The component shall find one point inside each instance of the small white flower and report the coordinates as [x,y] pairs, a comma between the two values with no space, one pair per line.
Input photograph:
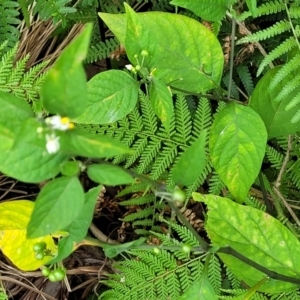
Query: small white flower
[122,279]
[59,123]
[129,67]
[52,143]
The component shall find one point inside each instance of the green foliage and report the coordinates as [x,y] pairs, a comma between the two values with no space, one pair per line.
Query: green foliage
[101,50]
[159,273]
[16,80]
[155,149]
[8,24]
[287,35]
[3,295]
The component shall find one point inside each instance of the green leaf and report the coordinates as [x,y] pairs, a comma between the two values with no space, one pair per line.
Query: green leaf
[79,227]
[237,147]
[111,96]
[274,114]
[200,290]
[109,174]
[65,247]
[191,163]
[252,6]
[161,101]
[82,143]
[256,235]
[70,168]
[177,55]
[27,160]
[57,205]
[13,109]
[209,10]
[64,91]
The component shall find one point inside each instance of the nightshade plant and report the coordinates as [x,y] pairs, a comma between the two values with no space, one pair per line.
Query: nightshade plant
[167,57]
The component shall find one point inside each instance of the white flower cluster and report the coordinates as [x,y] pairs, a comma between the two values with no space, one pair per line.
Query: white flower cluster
[55,123]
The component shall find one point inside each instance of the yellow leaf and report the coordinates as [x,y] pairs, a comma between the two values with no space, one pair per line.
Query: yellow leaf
[14,217]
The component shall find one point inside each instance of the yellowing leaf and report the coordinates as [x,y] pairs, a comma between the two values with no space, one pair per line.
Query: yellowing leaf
[14,217]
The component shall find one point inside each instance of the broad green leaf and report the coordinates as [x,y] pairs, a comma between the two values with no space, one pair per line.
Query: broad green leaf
[70,168]
[13,109]
[274,114]
[65,247]
[256,235]
[14,217]
[109,174]
[200,290]
[64,91]
[79,227]
[237,147]
[191,163]
[177,54]
[28,160]
[209,10]
[162,102]
[86,144]
[111,96]
[57,205]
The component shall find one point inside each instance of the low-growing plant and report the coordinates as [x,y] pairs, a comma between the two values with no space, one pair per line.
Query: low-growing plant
[156,124]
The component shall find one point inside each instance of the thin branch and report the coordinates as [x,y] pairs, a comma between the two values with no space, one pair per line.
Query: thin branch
[288,207]
[248,32]
[233,24]
[285,162]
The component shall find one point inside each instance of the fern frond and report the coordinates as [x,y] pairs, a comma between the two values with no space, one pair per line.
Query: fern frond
[102,50]
[155,275]
[253,202]
[283,48]
[275,158]
[203,117]
[234,281]
[193,187]
[234,89]
[288,88]
[296,117]
[139,200]
[276,29]
[214,274]
[286,69]
[16,80]
[246,78]
[8,23]
[183,120]
[215,184]
[270,7]
[142,214]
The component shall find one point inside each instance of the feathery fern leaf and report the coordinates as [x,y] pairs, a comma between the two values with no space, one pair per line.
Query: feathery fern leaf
[286,69]
[214,274]
[101,50]
[8,23]
[276,29]
[274,157]
[160,274]
[16,80]
[267,8]
[215,184]
[281,49]
[246,78]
